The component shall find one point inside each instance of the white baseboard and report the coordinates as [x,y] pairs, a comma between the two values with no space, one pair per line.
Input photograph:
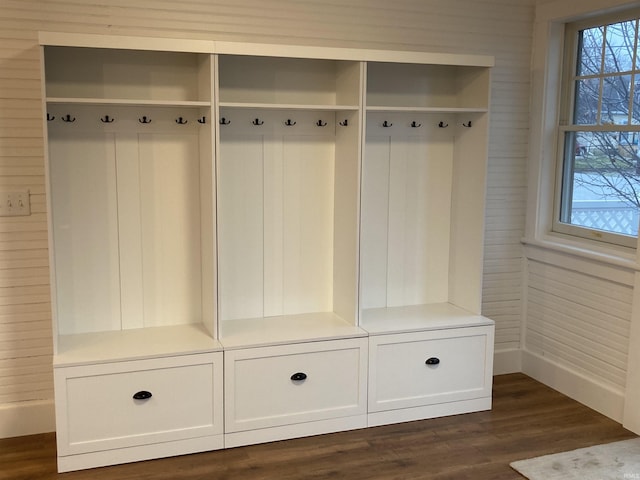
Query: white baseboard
[507,361]
[27,418]
[597,396]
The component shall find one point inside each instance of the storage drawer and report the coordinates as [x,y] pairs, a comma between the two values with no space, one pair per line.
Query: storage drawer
[96,407]
[425,368]
[283,385]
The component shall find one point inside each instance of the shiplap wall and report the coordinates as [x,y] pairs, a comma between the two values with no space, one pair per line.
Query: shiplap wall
[502,28]
[579,321]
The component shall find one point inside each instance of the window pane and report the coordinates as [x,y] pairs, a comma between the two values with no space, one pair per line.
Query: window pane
[590,51]
[586,104]
[616,92]
[635,112]
[619,47]
[601,181]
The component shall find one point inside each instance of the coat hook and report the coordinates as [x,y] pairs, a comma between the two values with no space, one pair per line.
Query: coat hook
[320,124]
[443,125]
[106,119]
[386,124]
[345,123]
[468,124]
[202,120]
[415,125]
[257,122]
[181,121]
[144,120]
[224,121]
[50,117]
[68,118]
[289,123]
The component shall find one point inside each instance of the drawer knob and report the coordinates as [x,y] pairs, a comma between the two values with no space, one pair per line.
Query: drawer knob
[298,377]
[142,395]
[432,361]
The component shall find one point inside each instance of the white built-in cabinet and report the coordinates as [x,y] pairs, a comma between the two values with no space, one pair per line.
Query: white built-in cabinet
[258,242]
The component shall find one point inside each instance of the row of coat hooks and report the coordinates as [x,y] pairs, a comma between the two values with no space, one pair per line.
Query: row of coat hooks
[320,123]
[107,119]
[288,123]
[224,121]
[415,124]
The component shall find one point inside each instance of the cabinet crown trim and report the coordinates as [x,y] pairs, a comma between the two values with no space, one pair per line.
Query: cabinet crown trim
[259,49]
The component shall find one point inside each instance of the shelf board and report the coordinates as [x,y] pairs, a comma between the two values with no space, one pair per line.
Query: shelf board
[413,318]
[125,102]
[427,109]
[279,330]
[135,344]
[287,106]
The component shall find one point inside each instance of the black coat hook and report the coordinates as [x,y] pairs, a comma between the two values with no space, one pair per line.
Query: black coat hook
[289,123]
[181,121]
[319,123]
[415,125]
[443,125]
[202,120]
[257,122]
[144,120]
[224,121]
[50,118]
[386,124]
[68,118]
[106,119]
[345,123]
[468,124]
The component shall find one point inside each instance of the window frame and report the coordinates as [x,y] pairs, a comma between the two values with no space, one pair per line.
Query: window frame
[565,127]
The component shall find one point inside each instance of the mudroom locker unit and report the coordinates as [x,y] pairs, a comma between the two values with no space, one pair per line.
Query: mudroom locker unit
[258,242]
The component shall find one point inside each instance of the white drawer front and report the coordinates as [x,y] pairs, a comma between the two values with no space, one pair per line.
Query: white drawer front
[96,409]
[400,375]
[260,391]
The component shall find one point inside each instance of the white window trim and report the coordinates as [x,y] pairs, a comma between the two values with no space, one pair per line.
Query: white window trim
[566,125]
[547,62]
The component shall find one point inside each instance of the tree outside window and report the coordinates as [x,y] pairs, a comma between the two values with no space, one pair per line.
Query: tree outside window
[601,165]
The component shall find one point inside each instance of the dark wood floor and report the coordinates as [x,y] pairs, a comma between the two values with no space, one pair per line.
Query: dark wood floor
[527,420]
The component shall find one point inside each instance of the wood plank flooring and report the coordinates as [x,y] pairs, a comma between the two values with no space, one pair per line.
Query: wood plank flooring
[528,419]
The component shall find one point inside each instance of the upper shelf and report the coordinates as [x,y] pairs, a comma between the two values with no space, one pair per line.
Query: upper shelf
[265,82]
[98,75]
[427,88]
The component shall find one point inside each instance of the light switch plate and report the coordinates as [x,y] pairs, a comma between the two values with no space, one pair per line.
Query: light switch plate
[14,203]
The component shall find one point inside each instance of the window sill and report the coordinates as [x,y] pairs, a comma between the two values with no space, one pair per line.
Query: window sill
[604,254]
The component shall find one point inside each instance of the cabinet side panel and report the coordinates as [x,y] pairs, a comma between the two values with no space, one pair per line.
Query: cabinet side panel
[345,235]
[170,199]
[374,219]
[240,226]
[467,217]
[85,231]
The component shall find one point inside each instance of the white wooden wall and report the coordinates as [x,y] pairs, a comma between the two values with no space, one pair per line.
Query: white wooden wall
[581,322]
[502,28]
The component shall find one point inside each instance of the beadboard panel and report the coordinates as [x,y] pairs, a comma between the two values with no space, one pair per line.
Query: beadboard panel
[502,28]
[579,322]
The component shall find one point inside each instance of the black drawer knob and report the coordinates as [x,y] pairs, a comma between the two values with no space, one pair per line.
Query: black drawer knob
[298,377]
[142,395]
[432,361]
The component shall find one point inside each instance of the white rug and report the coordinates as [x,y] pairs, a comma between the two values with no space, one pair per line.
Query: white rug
[612,461]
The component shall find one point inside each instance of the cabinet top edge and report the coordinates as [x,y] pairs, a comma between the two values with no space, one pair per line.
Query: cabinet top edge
[87,40]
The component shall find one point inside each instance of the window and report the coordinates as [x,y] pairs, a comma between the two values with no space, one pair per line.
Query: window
[598,194]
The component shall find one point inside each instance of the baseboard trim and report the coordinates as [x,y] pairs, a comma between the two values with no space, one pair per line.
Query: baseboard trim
[298,430]
[139,453]
[507,361]
[429,411]
[597,396]
[27,418]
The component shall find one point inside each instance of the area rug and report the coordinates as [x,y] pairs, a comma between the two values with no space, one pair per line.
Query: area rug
[611,461]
